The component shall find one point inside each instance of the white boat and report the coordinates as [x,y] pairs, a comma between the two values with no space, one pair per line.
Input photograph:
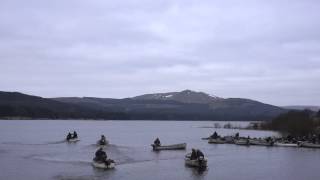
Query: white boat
[101,143]
[103,165]
[309,145]
[244,142]
[73,140]
[259,142]
[216,141]
[201,163]
[169,147]
[282,144]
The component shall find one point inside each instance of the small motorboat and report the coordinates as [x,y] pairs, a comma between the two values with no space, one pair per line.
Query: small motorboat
[169,147]
[216,141]
[102,143]
[309,145]
[260,142]
[73,140]
[285,144]
[109,164]
[200,163]
[244,142]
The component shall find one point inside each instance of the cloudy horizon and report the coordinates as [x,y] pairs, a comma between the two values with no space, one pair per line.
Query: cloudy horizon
[264,50]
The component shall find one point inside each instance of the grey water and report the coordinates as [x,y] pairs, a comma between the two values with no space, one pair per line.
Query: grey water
[35,149]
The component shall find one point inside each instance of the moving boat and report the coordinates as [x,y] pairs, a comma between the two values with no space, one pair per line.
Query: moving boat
[244,142]
[169,147]
[216,141]
[102,143]
[200,163]
[260,142]
[103,165]
[309,145]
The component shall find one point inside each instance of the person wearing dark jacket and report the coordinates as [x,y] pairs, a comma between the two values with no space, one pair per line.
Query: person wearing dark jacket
[214,135]
[101,156]
[193,154]
[200,154]
[69,136]
[103,139]
[157,142]
[75,135]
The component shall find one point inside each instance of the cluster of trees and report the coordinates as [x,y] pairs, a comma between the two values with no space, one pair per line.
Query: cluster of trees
[296,123]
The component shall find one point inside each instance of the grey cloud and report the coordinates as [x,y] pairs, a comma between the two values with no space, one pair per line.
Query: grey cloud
[264,50]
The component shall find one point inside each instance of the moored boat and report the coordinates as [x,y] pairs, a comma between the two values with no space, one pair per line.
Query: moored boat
[200,163]
[216,141]
[309,145]
[259,142]
[283,144]
[244,142]
[169,147]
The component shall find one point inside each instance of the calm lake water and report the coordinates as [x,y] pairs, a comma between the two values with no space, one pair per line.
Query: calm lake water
[35,150]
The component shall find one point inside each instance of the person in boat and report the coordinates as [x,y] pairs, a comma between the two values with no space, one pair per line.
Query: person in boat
[268,139]
[193,154]
[314,139]
[101,156]
[214,135]
[157,142]
[199,154]
[75,135]
[69,136]
[237,135]
[103,139]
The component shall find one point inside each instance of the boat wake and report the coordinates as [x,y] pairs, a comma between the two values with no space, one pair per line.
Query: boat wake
[84,177]
[34,144]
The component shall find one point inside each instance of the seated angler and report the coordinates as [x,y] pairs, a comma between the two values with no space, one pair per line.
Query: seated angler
[75,135]
[214,135]
[69,136]
[101,156]
[103,139]
[200,155]
[193,154]
[157,142]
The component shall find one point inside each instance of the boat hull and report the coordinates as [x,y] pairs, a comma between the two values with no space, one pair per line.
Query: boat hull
[285,144]
[73,140]
[196,163]
[100,165]
[99,143]
[309,145]
[242,142]
[181,146]
[260,143]
[216,141]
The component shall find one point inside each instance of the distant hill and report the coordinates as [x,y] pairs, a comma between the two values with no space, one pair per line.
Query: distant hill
[184,105]
[186,96]
[22,106]
[299,107]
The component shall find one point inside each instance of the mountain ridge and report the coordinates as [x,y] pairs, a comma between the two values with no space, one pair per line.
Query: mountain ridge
[183,105]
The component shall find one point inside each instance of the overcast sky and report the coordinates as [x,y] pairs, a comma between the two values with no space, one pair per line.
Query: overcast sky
[267,50]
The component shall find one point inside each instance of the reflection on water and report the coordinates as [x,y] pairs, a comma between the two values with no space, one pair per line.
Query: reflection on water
[39,150]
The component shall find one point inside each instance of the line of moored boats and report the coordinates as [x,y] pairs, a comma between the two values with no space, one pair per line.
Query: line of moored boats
[269,141]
